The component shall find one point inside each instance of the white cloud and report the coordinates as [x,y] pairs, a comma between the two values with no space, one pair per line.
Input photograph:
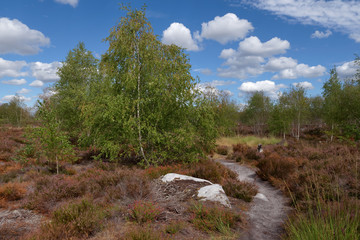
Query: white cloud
[318,34]
[14,82]
[226,28]
[36,83]
[12,68]
[8,98]
[205,71]
[179,35]
[301,70]
[305,85]
[277,64]
[254,58]
[73,3]
[341,16]
[347,69]
[16,37]
[268,87]
[216,83]
[45,72]
[252,46]
[23,91]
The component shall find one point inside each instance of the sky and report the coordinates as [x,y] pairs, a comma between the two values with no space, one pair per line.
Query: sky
[238,46]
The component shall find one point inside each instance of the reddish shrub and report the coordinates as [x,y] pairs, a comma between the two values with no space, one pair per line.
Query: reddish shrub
[222,150]
[276,166]
[12,191]
[241,190]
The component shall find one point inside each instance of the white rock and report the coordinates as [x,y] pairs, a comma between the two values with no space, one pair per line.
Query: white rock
[261,196]
[214,193]
[174,176]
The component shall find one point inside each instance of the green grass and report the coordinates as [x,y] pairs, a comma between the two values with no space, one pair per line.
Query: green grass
[330,223]
[251,141]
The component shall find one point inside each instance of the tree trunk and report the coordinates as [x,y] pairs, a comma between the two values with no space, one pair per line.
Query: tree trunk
[332,132]
[138,104]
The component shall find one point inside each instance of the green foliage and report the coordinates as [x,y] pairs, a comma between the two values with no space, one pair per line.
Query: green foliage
[226,111]
[257,112]
[77,72]
[145,107]
[342,106]
[14,112]
[51,141]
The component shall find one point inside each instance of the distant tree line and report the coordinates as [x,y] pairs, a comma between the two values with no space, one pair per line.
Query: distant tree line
[337,110]
[15,112]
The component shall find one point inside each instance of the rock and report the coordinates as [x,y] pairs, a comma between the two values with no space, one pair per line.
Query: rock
[261,196]
[214,193]
[211,192]
[174,176]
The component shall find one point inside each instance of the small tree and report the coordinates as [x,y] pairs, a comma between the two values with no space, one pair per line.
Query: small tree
[53,142]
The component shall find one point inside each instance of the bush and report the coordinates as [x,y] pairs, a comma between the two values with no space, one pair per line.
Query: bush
[142,212]
[12,191]
[276,166]
[212,171]
[74,220]
[213,219]
[222,150]
[174,227]
[241,190]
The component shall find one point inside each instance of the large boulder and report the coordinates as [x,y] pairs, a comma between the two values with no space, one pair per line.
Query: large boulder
[209,192]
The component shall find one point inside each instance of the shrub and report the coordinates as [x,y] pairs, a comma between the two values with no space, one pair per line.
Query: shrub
[52,189]
[74,220]
[222,150]
[213,219]
[241,190]
[212,171]
[276,166]
[174,227]
[12,191]
[143,211]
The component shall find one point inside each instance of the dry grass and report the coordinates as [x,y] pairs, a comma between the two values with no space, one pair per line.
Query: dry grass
[251,141]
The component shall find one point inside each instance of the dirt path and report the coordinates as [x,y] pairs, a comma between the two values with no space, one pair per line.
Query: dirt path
[268,210]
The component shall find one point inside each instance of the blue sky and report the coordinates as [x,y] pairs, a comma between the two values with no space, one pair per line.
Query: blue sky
[238,46]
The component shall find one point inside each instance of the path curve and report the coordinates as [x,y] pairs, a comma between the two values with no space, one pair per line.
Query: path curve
[269,209]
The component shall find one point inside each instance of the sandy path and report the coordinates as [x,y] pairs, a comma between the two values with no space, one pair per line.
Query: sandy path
[268,210]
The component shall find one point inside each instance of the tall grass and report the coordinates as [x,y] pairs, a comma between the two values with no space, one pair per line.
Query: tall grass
[251,141]
[328,222]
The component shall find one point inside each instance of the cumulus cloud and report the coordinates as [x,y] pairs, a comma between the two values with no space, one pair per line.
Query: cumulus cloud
[268,87]
[14,81]
[8,98]
[277,64]
[254,58]
[252,46]
[318,34]
[45,72]
[226,28]
[347,69]
[12,68]
[305,85]
[23,91]
[36,83]
[249,58]
[72,3]
[301,70]
[16,37]
[179,35]
[341,16]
